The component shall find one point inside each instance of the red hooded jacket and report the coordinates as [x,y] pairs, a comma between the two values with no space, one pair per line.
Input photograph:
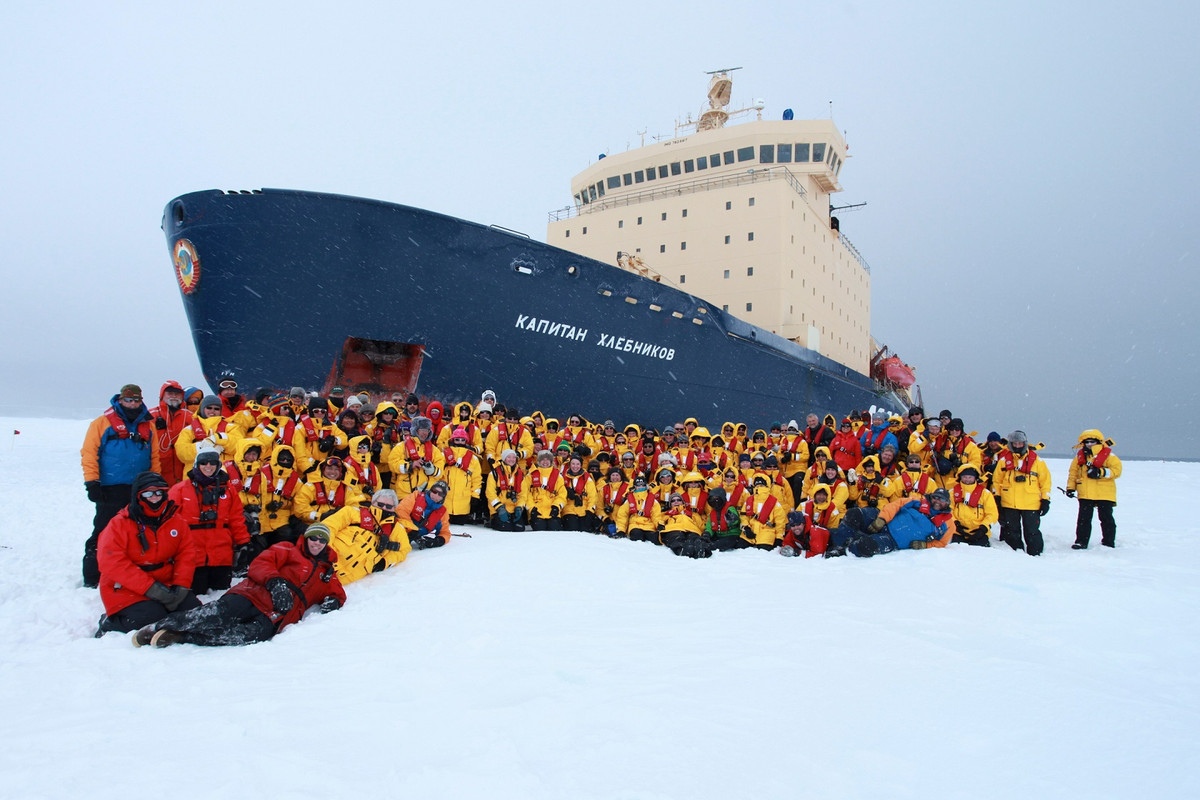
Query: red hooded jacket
[311,579]
[168,425]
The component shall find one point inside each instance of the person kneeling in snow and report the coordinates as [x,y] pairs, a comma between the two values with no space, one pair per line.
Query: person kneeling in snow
[900,525]
[283,582]
[147,556]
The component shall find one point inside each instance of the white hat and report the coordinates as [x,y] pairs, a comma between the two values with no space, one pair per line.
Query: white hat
[205,446]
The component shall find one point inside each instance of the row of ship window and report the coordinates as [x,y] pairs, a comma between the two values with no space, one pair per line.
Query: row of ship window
[621,222]
[798,153]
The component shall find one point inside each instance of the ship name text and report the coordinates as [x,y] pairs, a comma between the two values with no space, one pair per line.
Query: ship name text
[568,331]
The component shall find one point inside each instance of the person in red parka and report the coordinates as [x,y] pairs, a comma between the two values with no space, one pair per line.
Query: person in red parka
[214,512]
[846,448]
[284,581]
[170,418]
[147,556]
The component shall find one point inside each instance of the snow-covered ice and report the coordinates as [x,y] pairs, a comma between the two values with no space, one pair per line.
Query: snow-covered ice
[570,666]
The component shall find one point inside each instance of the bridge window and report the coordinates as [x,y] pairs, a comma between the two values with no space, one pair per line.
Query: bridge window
[744,154]
[766,154]
[801,152]
[783,153]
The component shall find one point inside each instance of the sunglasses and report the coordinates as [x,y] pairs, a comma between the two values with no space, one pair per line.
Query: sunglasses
[437,493]
[150,494]
[386,506]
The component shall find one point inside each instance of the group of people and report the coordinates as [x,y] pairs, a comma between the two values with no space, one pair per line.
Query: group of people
[281,487]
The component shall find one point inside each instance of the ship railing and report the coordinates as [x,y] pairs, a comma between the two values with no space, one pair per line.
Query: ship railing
[862,262]
[688,187]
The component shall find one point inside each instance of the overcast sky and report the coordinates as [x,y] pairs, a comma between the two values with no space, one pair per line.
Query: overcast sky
[1028,169]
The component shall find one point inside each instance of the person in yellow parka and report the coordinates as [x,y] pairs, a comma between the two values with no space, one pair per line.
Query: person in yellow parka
[507,493]
[367,538]
[973,507]
[324,492]
[361,471]
[279,483]
[207,425]
[764,518]
[819,509]
[416,462]
[1093,478]
[321,436]
[683,529]
[509,434]
[546,493]
[641,515]
[793,457]
[579,513]
[953,449]
[463,473]
[463,418]
[611,494]
[384,435]
[839,489]
[816,470]
[867,488]
[914,480]
[1023,483]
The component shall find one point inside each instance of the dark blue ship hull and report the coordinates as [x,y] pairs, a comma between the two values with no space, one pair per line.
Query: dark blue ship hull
[292,288]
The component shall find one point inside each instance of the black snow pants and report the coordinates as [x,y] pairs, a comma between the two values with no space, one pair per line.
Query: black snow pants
[230,620]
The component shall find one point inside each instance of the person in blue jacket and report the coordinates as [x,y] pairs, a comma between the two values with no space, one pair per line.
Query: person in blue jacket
[878,434]
[903,524]
[119,446]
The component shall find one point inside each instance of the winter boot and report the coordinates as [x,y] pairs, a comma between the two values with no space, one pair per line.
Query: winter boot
[165,638]
[143,637]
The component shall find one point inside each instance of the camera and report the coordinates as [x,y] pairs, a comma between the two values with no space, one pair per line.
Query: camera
[1020,478]
[208,515]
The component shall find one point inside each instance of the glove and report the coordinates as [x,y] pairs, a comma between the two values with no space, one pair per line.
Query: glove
[95,492]
[1095,473]
[943,465]
[376,449]
[330,603]
[429,468]
[178,595]
[786,458]
[281,595]
[1045,508]
[787,550]
[877,524]
[421,532]
[159,594]
[1071,493]
[611,529]
[252,524]
[160,424]
[274,505]
[431,541]
[325,443]
[851,475]
[554,512]
[241,558]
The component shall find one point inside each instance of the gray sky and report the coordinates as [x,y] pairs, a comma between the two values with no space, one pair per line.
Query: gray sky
[1027,167]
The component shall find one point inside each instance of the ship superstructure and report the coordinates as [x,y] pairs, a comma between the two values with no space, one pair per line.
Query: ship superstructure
[738,215]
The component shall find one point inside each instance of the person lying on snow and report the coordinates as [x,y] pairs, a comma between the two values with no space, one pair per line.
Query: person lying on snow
[900,525]
[283,582]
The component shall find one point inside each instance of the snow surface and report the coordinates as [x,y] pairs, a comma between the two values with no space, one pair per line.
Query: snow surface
[569,666]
